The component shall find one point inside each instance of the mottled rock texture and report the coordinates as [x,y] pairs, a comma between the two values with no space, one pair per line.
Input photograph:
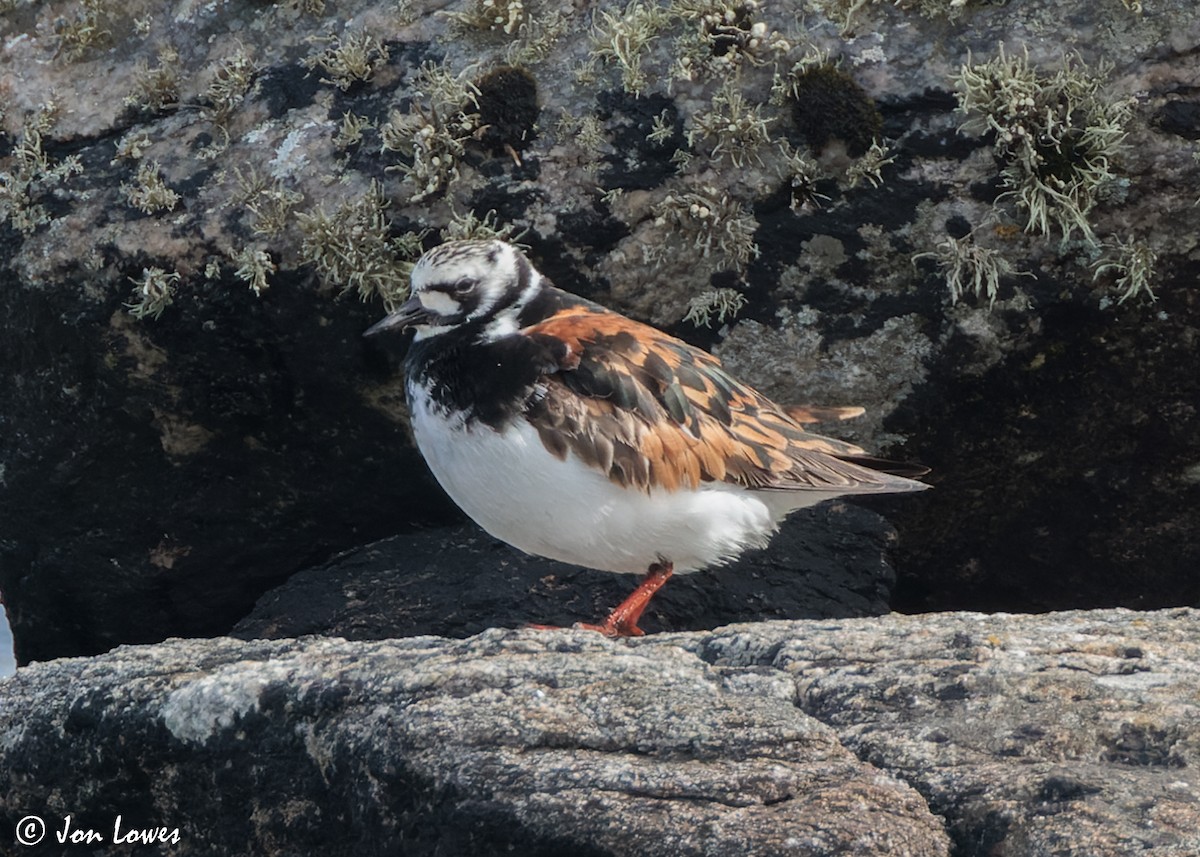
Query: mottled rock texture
[212,165]
[1062,734]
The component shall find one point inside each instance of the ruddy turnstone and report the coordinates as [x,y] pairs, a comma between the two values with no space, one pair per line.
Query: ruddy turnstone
[572,432]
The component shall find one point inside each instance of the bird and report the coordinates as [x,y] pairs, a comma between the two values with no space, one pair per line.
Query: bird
[575,433]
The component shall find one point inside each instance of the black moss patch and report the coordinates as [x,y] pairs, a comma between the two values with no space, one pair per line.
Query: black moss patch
[508,109]
[510,204]
[830,105]
[1181,118]
[288,87]
[638,163]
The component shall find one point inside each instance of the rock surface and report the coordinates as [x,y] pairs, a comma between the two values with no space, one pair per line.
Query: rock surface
[827,562]
[1064,734]
[227,169]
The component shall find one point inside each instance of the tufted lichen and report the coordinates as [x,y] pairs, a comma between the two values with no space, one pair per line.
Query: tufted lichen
[725,303]
[149,193]
[31,173]
[1058,136]
[352,249]
[736,128]
[969,267]
[1132,263]
[349,60]
[718,228]
[154,292]
[433,134]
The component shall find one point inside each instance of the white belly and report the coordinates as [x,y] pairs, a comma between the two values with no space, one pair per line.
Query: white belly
[516,490]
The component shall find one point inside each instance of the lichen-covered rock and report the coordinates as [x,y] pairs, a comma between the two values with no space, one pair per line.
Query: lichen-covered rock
[1071,734]
[538,742]
[1064,734]
[190,418]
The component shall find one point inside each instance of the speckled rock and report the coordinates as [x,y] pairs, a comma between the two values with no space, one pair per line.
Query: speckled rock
[1062,734]
[1069,734]
[539,742]
[228,170]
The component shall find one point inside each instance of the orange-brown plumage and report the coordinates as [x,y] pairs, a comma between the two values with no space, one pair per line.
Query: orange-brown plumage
[677,419]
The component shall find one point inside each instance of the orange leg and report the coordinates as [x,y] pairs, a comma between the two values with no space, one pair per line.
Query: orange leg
[622,622]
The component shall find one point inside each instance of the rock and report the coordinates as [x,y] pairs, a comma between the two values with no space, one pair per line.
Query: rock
[539,742]
[827,562]
[189,415]
[1067,734]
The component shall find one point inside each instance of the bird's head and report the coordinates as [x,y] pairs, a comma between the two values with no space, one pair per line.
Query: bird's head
[465,282]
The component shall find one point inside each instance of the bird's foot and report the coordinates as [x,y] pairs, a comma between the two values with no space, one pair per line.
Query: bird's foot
[623,621]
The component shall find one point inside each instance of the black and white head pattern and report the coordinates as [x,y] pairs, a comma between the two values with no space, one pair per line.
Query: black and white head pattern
[484,283]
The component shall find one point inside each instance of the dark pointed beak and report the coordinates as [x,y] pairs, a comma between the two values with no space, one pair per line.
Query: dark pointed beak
[408,314]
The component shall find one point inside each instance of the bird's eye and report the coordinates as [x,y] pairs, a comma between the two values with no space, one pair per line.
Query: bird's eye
[461,287]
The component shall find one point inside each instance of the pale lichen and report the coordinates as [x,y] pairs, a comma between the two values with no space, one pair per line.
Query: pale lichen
[1132,265]
[148,192]
[725,303]
[463,227]
[350,132]
[869,168]
[352,249]
[154,292]
[496,16]
[349,59]
[737,129]
[433,135]
[254,264]
[716,227]
[155,87]
[31,173]
[231,80]
[271,202]
[970,267]
[88,29]
[622,38]
[1058,136]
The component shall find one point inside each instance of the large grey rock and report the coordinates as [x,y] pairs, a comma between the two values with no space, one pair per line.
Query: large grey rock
[1065,734]
[1062,734]
[179,467]
[543,742]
